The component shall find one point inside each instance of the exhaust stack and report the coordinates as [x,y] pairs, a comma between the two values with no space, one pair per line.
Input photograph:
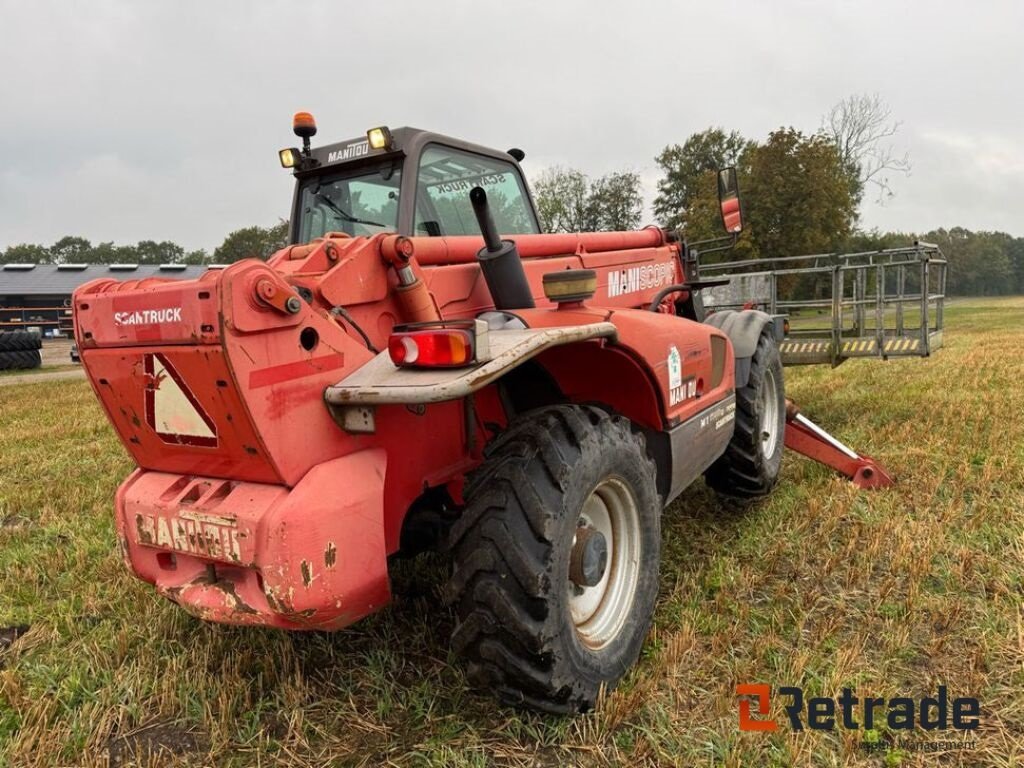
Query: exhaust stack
[499,260]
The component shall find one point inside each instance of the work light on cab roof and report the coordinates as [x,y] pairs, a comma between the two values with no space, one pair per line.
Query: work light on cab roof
[304,126]
[290,157]
[380,138]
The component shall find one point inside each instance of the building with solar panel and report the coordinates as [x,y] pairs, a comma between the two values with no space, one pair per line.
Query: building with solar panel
[38,296]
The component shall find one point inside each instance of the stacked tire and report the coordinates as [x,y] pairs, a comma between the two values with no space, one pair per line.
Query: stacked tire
[20,350]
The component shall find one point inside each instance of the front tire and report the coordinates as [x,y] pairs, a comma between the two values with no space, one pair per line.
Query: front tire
[751,463]
[556,559]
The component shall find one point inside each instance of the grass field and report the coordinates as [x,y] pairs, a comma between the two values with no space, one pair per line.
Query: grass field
[44,369]
[821,585]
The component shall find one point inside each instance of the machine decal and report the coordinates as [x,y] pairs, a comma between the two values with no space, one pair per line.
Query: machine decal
[719,417]
[185,534]
[678,389]
[675,368]
[466,184]
[643,278]
[685,391]
[357,149]
[172,410]
[148,316]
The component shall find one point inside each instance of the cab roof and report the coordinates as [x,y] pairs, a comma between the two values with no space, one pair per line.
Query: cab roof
[407,142]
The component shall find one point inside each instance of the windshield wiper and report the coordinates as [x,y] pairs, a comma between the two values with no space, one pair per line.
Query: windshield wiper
[344,215]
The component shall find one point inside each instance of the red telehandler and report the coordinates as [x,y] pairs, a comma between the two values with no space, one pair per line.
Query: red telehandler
[403,376]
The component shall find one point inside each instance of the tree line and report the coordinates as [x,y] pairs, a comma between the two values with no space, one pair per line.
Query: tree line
[248,242]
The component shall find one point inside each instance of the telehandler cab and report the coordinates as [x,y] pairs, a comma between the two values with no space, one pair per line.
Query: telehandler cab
[392,380]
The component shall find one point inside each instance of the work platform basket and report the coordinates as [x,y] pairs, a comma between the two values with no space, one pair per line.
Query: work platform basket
[876,304]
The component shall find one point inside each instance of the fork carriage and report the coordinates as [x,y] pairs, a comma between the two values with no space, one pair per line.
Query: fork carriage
[877,304]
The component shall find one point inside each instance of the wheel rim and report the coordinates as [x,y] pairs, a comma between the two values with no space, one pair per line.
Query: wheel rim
[600,612]
[769,414]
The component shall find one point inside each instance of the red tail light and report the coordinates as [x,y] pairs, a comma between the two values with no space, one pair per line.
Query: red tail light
[435,347]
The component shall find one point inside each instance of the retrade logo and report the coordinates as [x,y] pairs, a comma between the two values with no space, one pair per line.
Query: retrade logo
[761,693]
[850,712]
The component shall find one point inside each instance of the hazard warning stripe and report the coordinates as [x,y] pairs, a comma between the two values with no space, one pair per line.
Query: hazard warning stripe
[805,347]
[863,345]
[156,365]
[902,345]
[856,346]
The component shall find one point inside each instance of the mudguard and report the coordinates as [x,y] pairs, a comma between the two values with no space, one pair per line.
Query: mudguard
[744,328]
[380,382]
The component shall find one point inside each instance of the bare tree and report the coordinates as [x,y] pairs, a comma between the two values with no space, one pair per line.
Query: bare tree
[860,126]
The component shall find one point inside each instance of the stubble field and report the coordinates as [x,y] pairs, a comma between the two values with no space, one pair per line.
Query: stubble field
[821,585]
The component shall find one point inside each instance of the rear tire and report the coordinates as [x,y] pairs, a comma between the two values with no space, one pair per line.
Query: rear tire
[22,359]
[751,463]
[529,630]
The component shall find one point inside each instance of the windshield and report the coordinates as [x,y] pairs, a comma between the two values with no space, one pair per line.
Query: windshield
[360,202]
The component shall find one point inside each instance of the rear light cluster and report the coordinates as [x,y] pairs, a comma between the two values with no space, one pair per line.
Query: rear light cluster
[448,344]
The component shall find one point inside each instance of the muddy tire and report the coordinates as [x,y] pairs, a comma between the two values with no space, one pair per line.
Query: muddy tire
[17,341]
[542,620]
[750,465]
[22,359]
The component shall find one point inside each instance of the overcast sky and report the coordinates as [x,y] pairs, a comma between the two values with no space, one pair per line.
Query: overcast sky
[161,120]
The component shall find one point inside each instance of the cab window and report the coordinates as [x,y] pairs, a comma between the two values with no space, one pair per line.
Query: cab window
[363,202]
[442,194]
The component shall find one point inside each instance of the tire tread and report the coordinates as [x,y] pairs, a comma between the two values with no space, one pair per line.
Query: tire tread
[741,471]
[19,341]
[22,359]
[502,547]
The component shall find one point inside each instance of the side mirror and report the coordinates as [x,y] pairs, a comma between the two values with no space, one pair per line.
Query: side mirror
[729,201]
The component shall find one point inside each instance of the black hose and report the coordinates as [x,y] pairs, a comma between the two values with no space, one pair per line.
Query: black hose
[348,318]
[660,295]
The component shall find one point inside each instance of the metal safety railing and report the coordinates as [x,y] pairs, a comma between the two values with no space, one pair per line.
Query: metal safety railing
[881,304]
